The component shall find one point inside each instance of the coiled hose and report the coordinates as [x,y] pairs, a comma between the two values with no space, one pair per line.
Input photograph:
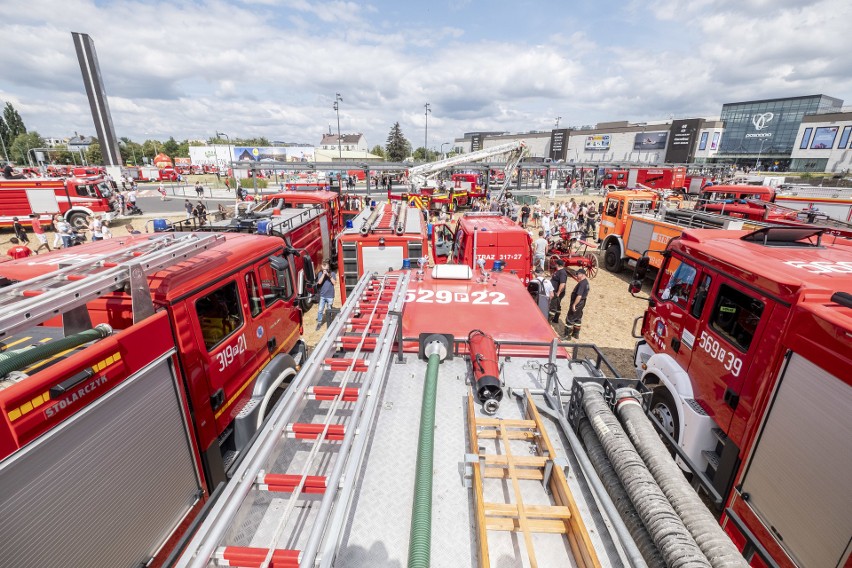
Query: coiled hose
[420,543]
[672,538]
[597,455]
[714,543]
[21,358]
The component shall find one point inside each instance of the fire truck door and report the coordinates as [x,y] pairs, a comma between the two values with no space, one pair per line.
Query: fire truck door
[442,243]
[42,201]
[682,292]
[725,344]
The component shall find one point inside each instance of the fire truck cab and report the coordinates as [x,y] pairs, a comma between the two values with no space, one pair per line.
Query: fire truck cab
[494,239]
[747,341]
[135,371]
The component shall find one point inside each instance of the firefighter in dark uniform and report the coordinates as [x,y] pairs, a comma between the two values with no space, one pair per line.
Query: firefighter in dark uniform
[574,319]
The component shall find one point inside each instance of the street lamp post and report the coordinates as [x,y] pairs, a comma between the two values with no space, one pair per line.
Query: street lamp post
[558,118]
[426,136]
[442,149]
[757,164]
[5,153]
[230,159]
[338,99]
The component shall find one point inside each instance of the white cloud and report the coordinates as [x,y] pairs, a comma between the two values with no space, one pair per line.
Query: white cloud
[187,68]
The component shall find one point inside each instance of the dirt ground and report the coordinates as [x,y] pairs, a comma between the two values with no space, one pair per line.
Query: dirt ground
[607,322]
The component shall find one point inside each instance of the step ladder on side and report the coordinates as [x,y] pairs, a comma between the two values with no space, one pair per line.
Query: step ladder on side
[33,301]
[291,494]
[513,467]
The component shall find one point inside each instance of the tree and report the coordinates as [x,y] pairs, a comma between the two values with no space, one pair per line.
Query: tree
[11,126]
[61,156]
[150,148]
[170,147]
[378,151]
[131,152]
[423,155]
[398,148]
[93,154]
[20,147]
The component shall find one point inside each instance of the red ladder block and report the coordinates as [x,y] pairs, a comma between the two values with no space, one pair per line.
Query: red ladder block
[351,342]
[246,557]
[310,431]
[359,366]
[350,394]
[286,483]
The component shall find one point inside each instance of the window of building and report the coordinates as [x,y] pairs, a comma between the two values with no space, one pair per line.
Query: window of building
[255,302]
[806,138]
[702,145]
[736,316]
[844,137]
[219,314]
[824,138]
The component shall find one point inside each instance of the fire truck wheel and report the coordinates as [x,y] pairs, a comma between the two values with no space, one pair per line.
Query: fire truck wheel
[78,220]
[612,258]
[663,408]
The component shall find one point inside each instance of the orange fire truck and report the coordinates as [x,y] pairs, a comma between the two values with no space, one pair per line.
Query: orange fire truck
[490,239]
[634,222]
[134,372]
[73,198]
[380,239]
[747,339]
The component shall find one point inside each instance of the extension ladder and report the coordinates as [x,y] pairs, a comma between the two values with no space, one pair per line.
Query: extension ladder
[514,468]
[311,495]
[32,301]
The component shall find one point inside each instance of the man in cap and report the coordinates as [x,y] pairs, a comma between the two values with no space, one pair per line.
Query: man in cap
[574,319]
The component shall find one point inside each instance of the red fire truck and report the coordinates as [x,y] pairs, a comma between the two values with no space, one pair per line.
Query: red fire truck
[654,178]
[328,200]
[489,237]
[73,198]
[380,239]
[135,372]
[747,341]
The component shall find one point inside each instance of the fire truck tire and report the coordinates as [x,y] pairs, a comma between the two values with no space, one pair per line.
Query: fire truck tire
[663,408]
[78,220]
[278,388]
[612,258]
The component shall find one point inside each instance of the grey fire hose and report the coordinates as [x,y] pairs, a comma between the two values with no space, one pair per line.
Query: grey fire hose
[597,455]
[673,540]
[706,531]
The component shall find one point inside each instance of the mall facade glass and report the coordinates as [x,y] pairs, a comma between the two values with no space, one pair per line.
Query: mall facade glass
[767,129]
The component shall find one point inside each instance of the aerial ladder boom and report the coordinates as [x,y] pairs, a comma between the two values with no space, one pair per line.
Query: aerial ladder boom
[418,175]
[515,157]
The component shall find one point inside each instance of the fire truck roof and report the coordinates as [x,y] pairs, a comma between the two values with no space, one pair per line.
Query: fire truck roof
[208,266]
[319,196]
[489,222]
[780,261]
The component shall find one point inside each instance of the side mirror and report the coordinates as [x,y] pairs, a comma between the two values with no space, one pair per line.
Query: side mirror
[641,269]
[635,287]
[308,267]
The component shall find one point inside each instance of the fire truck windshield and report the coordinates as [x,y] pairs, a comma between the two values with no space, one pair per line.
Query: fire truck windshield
[103,189]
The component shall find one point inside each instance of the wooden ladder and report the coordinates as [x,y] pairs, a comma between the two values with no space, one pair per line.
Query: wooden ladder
[560,517]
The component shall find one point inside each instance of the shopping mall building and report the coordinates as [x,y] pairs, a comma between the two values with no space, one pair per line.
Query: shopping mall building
[809,133]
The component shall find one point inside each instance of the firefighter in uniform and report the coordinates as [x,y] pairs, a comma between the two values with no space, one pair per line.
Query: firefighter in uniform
[574,319]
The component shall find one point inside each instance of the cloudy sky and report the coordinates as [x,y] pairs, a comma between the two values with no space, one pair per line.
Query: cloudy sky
[271,68]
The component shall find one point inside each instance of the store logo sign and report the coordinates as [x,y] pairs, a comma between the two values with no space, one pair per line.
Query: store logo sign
[762,121]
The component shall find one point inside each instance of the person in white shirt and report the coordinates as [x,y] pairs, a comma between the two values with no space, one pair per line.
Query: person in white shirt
[545,225]
[545,294]
[540,248]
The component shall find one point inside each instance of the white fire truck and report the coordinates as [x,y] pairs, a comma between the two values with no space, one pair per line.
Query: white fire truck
[133,373]
[748,340]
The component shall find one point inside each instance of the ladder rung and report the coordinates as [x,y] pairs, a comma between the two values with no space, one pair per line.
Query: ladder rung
[76,277]
[286,483]
[535,525]
[539,511]
[503,473]
[309,431]
[350,394]
[502,460]
[511,434]
[359,366]
[246,557]
[32,293]
[480,422]
[351,342]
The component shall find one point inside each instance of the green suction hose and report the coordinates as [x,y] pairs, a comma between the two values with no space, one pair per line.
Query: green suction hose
[21,358]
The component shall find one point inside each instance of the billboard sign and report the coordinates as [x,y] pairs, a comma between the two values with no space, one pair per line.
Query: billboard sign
[824,138]
[683,133]
[475,142]
[558,144]
[650,140]
[598,142]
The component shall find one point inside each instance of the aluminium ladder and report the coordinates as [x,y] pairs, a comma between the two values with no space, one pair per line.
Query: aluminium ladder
[35,300]
[295,515]
[513,469]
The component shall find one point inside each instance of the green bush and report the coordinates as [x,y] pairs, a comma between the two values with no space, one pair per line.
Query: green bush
[248,183]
